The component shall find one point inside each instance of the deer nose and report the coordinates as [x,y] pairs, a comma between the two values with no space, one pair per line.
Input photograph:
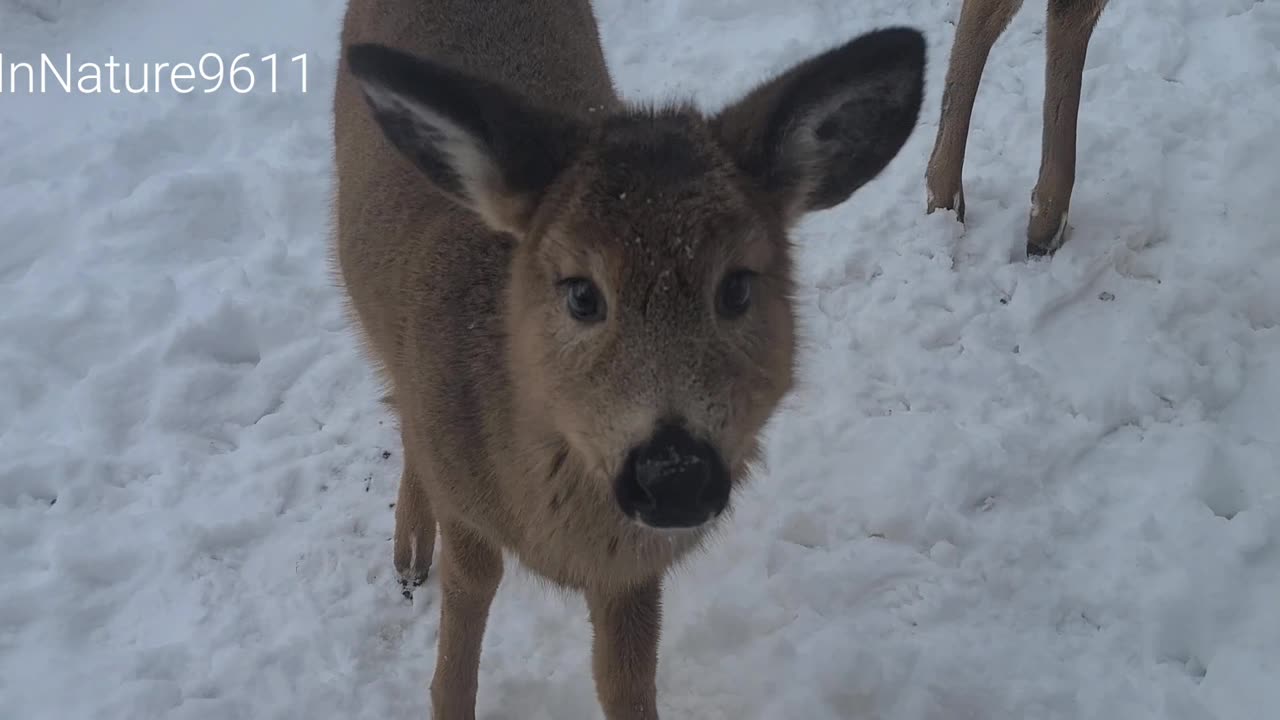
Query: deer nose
[673,480]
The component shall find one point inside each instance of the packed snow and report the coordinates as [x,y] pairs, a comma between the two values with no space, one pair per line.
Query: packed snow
[1005,488]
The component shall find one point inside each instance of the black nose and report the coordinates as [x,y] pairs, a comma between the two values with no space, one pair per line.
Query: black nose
[673,480]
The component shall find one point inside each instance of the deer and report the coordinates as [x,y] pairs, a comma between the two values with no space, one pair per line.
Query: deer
[1069,26]
[581,305]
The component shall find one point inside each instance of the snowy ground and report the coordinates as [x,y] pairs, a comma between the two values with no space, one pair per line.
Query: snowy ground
[1005,490]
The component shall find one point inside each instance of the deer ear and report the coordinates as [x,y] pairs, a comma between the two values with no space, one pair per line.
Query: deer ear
[479,143]
[813,135]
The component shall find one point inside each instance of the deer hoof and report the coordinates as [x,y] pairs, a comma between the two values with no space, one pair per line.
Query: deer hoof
[946,201]
[1044,239]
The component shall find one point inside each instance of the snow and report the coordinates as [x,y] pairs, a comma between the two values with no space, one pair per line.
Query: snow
[1004,489]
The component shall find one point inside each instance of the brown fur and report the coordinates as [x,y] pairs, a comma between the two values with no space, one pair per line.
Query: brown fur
[471,182]
[1070,25]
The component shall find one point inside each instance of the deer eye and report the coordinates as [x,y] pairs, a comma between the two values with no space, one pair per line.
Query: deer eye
[735,293]
[583,300]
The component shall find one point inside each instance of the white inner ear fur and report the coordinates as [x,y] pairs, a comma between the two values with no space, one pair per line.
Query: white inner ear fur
[813,157]
[483,189]
[807,154]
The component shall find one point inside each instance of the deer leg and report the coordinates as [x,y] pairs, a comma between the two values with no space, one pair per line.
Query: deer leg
[1069,27]
[981,23]
[626,626]
[471,569]
[415,534]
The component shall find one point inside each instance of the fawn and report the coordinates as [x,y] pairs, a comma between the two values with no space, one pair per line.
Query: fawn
[581,306]
[1070,25]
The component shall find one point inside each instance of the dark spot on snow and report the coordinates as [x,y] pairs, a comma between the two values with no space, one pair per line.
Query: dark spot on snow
[386,454]
[1194,667]
[1105,296]
[53,501]
[41,14]
[391,506]
[368,483]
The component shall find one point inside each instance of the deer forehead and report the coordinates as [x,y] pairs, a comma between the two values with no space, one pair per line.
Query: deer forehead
[650,245]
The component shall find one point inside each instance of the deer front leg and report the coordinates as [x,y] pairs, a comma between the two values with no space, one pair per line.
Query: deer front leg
[626,626]
[981,23]
[415,534]
[1069,27]
[471,569]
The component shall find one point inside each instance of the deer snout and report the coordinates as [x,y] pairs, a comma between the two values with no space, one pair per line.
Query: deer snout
[673,480]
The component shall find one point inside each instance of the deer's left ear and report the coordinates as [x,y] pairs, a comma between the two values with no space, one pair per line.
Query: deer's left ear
[815,134]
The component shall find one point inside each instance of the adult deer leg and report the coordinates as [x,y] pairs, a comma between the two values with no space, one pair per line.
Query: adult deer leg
[1070,25]
[981,23]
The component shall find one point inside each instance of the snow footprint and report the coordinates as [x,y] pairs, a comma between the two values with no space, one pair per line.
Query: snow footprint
[1219,487]
[227,336]
[161,146]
